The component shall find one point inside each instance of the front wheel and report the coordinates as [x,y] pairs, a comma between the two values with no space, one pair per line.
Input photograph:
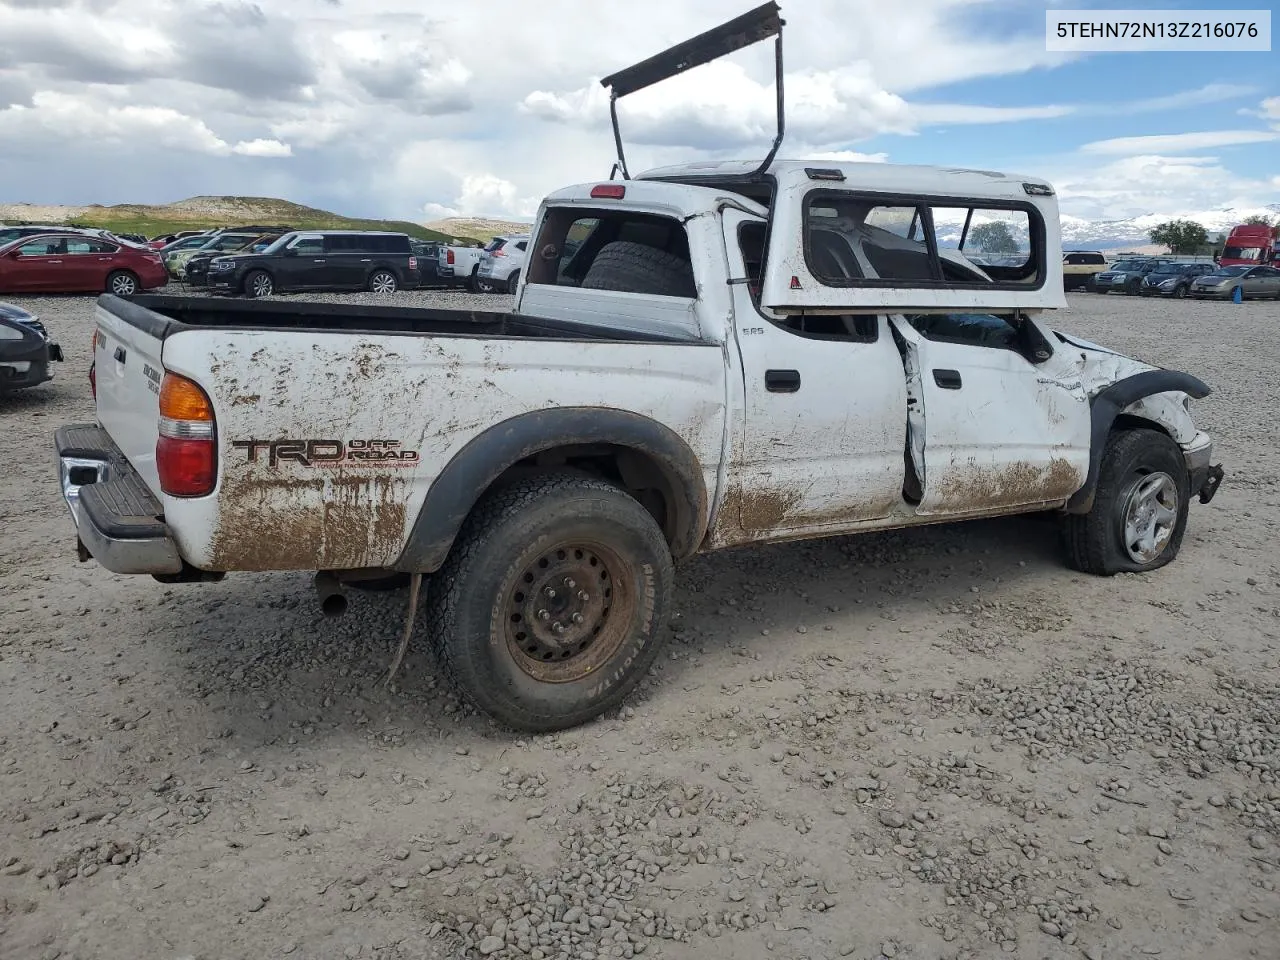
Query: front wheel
[1139,512]
[122,283]
[259,284]
[1180,293]
[382,282]
[553,601]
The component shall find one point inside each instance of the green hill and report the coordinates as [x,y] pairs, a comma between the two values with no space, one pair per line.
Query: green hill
[199,213]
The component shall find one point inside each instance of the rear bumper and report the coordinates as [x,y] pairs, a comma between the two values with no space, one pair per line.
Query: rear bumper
[118,520]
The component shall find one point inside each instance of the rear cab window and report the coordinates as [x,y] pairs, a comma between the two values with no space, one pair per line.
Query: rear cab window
[572,239]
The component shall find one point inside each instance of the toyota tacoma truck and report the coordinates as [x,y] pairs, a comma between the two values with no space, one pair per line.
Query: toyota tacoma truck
[700,357]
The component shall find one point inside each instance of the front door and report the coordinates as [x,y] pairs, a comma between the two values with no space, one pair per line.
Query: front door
[998,421]
[302,265]
[37,264]
[825,412]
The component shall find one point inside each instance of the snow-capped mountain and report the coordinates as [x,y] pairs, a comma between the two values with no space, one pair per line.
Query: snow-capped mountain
[1131,232]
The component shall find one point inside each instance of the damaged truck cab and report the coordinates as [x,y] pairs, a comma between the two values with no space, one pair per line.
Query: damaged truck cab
[700,357]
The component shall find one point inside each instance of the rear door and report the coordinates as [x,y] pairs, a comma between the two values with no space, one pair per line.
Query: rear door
[128,371]
[88,262]
[348,258]
[999,419]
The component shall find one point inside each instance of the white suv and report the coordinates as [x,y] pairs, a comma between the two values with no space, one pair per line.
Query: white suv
[501,263]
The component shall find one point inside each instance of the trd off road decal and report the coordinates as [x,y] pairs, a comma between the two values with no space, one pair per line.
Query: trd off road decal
[328,453]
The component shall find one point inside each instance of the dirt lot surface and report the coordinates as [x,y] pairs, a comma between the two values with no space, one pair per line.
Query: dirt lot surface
[933,744]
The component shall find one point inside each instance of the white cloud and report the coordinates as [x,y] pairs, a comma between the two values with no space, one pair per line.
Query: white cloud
[1169,185]
[262,148]
[958,113]
[1209,93]
[1177,142]
[1270,109]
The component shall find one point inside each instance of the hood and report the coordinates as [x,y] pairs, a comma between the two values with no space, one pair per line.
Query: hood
[11,311]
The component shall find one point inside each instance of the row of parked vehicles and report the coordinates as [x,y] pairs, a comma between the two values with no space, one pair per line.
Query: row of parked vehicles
[1200,277]
[253,260]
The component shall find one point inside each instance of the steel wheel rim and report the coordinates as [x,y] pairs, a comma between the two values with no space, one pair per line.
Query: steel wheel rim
[569,611]
[384,283]
[262,286]
[1150,515]
[122,286]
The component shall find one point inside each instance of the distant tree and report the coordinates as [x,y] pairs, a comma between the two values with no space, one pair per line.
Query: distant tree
[994,237]
[1180,236]
[1258,220]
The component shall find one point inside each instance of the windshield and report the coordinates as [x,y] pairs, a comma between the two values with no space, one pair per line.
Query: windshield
[1232,271]
[278,245]
[1242,253]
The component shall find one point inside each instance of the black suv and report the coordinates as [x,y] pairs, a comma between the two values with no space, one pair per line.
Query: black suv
[320,260]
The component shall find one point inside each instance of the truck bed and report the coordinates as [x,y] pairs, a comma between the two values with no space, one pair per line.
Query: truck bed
[163,316]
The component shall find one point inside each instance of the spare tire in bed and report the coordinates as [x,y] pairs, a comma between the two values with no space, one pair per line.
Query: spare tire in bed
[637,268]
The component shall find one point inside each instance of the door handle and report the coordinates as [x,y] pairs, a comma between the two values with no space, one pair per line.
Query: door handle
[947,379]
[120,354]
[782,381]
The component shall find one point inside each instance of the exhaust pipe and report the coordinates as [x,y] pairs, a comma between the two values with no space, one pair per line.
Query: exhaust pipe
[333,597]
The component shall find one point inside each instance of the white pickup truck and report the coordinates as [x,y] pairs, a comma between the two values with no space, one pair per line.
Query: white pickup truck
[457,265]
[727,355]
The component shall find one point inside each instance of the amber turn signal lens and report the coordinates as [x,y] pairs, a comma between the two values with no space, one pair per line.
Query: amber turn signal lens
[181,399]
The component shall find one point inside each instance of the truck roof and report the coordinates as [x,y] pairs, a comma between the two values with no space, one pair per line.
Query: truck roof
[885,177]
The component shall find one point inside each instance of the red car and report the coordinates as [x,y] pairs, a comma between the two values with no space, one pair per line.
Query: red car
[76,263]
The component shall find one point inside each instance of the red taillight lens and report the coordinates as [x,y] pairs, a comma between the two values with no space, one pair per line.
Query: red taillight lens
[609,191]
[448,257]
[187,468]
[498,253]
[187,449]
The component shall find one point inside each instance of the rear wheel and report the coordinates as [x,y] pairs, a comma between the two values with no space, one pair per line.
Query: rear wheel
[259,284]
[1139,512]
[1180,292]
[551,605]
[382,282]
[123,283]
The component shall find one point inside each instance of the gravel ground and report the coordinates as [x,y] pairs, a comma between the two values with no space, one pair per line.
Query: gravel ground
[933,744]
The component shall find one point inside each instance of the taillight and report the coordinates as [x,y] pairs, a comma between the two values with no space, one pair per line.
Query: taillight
[448,257]
[609,191]
[498,253]
[413,263]
[187,449]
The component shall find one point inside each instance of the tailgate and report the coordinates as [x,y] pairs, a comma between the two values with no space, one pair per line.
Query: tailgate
[128,372]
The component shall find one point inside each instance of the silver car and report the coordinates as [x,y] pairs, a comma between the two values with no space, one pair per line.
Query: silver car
[501,263]
[1254,283]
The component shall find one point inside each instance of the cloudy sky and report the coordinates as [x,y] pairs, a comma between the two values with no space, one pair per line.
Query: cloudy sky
[377,108]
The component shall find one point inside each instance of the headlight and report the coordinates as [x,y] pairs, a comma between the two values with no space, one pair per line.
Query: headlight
[1167,284]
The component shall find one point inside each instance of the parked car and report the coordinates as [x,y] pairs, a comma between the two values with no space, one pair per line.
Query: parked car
[25,349]
[456,265]
[679,386]
[192,241]
[1254,283]
[228,241]
[75,263]
[165,239]
[197,269]
[1173,279]
[428,256]
[1079,267]
[380,262]
[1125,276]
[501,263]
